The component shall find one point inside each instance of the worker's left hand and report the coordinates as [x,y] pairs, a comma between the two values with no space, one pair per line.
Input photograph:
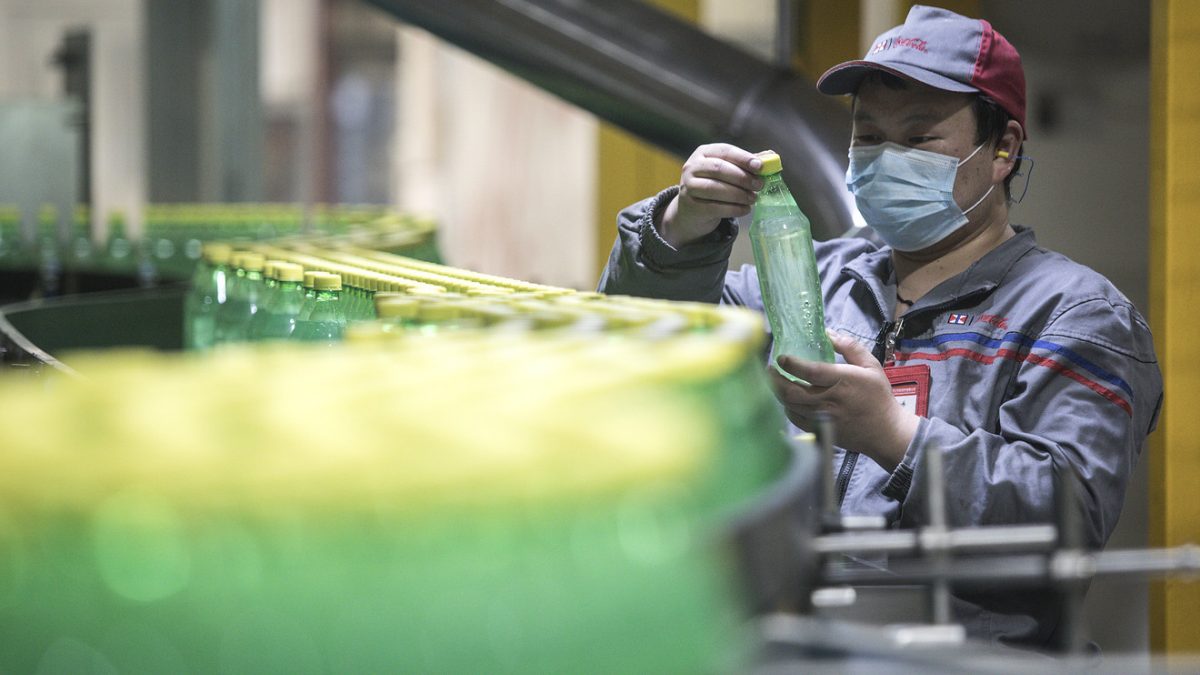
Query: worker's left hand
[856,395]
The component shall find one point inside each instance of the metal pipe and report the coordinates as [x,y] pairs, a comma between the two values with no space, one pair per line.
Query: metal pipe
[989,539]
[1027,571]
[785,32]
[1071,557]
[936,531]
[662,79]
[830,510]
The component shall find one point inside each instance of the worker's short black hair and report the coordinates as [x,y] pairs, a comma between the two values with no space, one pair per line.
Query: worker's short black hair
[991,121]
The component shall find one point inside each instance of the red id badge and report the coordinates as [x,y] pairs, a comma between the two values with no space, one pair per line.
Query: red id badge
[910,386]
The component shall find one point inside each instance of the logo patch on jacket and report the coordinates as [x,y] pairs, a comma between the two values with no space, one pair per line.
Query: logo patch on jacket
[959,319]
[993,320]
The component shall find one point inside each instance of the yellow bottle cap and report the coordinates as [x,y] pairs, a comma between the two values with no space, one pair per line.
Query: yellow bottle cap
[427,289]
[269,269]
[217,253]
[438,311]
[397,308]
[310,278]
[289,271]
[487,291]
[771,163]
[491,315]
[253,262]
[47,214]
[327,281]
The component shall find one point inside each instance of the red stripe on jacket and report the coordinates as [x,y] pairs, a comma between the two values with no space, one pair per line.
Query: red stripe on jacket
[1012,355]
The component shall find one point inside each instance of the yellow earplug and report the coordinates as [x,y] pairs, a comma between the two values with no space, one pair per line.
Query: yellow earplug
[1002,154]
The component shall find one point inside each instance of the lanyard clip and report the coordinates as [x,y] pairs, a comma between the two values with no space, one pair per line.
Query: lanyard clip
[889,341]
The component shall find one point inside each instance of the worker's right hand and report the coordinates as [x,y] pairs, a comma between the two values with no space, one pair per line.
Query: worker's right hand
[719,181]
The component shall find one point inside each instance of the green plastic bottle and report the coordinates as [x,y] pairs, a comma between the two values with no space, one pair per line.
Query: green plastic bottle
[310,294]
[364,305]
[398,313]
[270,283]
[270,280]
[11,249]
[82,251]
[119,253]
[207,295]
[326,322]
[233,317]
[276,319]
[352,296]
[163,251]
[781,239]
[48,250]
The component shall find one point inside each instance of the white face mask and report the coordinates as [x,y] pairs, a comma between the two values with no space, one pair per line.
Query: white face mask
[907,195]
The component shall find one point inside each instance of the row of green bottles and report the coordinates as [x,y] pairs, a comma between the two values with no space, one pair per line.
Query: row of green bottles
[171,245]
[358,301]
[173,235]
[45,250]
[242,297]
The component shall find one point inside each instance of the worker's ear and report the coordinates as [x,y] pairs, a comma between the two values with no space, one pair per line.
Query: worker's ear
[1007,150]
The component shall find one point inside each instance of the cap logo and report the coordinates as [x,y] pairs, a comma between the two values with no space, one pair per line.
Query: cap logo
[895,42]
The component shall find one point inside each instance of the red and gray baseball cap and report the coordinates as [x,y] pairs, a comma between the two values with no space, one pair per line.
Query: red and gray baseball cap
[944,50]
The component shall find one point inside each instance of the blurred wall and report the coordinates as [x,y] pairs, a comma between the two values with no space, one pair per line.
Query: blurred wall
[508,170]
[30,33]
[205,126]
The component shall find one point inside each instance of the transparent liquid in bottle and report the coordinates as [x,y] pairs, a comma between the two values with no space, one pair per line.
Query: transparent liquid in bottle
[781,239]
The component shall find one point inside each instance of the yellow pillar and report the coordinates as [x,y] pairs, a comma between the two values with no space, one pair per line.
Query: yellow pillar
[1174,296]
[828,35]
[629,168]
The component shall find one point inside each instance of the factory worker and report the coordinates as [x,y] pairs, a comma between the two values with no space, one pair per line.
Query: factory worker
[960,334]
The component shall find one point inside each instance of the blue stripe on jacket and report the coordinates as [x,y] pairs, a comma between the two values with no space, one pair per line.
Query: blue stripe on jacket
[1018,338]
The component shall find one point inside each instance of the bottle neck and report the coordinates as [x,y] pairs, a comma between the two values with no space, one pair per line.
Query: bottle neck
[773,184]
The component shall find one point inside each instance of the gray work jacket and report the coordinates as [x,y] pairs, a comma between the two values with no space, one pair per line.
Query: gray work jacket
[1036,363]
